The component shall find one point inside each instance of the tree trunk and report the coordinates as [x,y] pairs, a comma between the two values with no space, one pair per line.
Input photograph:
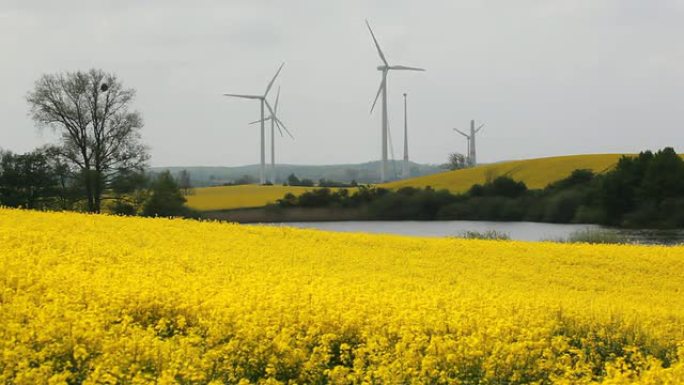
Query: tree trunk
[87,176]
[97,191]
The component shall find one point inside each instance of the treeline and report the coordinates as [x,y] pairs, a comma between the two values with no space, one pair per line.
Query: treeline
[642,191]
[293,180]
[40,180]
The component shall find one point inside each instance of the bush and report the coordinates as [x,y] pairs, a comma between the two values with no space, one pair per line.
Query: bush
[166,199]
[562,207]
[411,203]
[672,209]
[317,198]
[456,211]
[589,214]
[647,214]
[580,177]
[502,186]
[289,200]
[123,208]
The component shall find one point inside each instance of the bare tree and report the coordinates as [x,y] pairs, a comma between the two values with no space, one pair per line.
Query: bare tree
[184,182]
[100,137]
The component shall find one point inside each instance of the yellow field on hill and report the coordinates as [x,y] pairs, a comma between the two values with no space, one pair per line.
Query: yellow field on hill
[92,299]
[536,173]
[234,197]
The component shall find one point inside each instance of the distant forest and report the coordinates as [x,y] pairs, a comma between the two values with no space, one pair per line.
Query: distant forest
[641,191]
[346,173]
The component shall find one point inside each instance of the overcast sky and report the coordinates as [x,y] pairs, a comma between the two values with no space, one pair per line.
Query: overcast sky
[548,77]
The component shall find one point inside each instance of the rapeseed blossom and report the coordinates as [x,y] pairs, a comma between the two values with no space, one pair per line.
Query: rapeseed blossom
[95,299]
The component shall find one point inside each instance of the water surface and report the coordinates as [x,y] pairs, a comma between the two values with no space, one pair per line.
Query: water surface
[523,231]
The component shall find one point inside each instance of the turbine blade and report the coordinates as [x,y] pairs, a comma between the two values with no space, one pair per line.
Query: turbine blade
[377,45]
[268,105]
[382,84]
[280,131]
[243,96]
[259,121]
[462,133]
[281,124]
[273,80]
[406,68]
[270,109]
[479,128]
[275,107]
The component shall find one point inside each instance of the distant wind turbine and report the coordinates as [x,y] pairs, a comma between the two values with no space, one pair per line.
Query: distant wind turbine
[385,68]
[275,122]
[263,101]
[472,154]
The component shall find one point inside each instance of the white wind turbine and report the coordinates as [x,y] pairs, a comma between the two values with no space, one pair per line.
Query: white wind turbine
[385,68]
[263,101]
[472,154]
[275,122]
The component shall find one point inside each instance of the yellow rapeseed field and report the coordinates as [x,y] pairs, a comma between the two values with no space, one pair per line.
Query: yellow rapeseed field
[92,299]
[536,173]
[243,196]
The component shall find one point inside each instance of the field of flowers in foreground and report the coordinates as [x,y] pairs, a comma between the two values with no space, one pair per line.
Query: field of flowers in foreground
[97,299]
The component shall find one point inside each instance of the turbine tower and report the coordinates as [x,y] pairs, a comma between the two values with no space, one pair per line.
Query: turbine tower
[472,154]
[263,101]
[275,122]
[405,168]
[385,68]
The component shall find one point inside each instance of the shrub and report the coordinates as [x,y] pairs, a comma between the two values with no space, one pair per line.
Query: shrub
[166,199]
[562,207]
[123,208]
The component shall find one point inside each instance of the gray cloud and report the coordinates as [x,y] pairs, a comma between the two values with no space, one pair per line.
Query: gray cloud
[547,76]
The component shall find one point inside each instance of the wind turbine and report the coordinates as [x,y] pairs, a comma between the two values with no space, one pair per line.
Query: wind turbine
[263,101]
[472,155]
[385,68]
[405,169]
[275,122]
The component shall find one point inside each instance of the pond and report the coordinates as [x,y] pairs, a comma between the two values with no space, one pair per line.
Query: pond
[523,231]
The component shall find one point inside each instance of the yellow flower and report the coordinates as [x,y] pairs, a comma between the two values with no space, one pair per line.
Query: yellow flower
[107,300]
